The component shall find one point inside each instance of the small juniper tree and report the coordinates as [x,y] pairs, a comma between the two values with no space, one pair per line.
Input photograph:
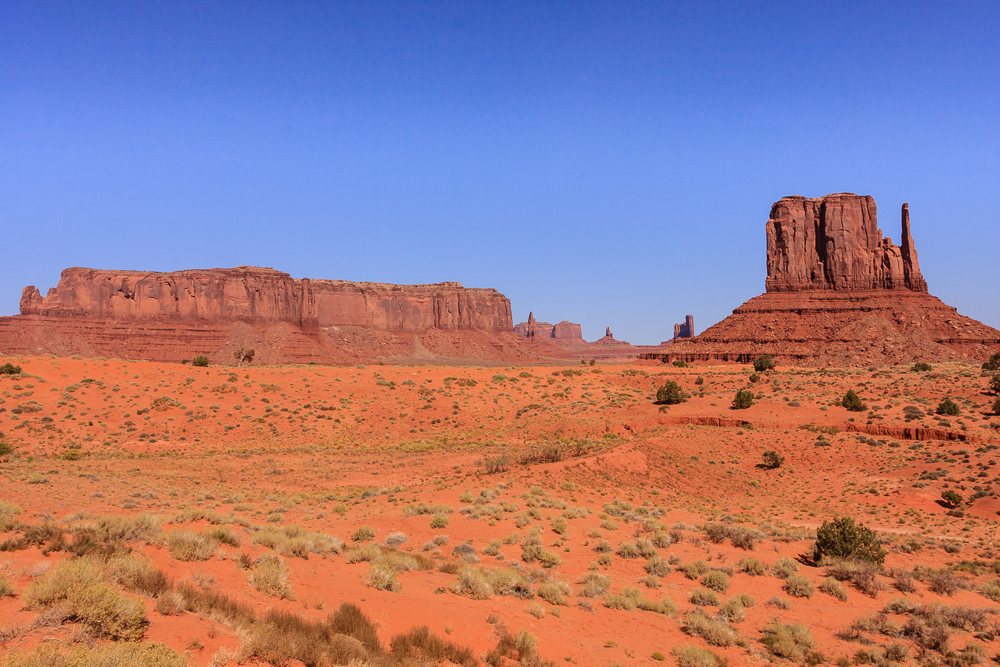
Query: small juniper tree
[995,383]
[996,405]
[843,538]
[773,459]
[670,394]
[201,360]
[853,402]
[948,407]
[763,363]
[951,498]
[743,399]
[993,364]
[922,367]
[10,369]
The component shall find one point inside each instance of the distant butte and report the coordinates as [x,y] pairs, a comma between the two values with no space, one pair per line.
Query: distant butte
[839,294]
[568,338]
[178,315]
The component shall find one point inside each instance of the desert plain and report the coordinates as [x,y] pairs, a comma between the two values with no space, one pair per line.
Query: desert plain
[301,514]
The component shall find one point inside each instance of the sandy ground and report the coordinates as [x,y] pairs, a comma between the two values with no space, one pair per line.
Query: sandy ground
[582,453]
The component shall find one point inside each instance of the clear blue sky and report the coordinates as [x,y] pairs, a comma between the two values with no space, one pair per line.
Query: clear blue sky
[605,163]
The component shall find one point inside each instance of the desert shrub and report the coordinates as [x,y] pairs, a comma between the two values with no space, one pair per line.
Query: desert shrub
[188,545]
[638,549]
[201,361]
[991,590]
[472,583]
[996,405]
[993,363]
[6,587]
[594,585]
[224,535]
[702,598]
[363,534]
[843,538]
[948,407]
[716,580]
[995,383]
[715,632]
[763,363]
[733,611]
[10,369]
[951,498]
[862,575]
[694,569]
[6,448]
[130,654]
[831,586]
[136,574]
[785,567]
[382,577]
[689,655]
[786,641]
[743,399]
[943,582]
[798,586]
[507,581]
[81,587]
[439,521]
[627,600]
[659,566]
[751,566]
[670,394]
[395,539]
[852,402]
[661,540]
[519,649]
[269,575]
[554,592]
[367,553]
[170,602]
[420,645]
[773,459]
[902,581]
[922,367]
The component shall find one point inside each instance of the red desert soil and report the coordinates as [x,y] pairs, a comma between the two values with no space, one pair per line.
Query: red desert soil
[455,469]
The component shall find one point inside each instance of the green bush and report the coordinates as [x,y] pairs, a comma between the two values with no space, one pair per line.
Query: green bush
[763,363]
[366,533]
[922,367]
[670,394]
[995,383]
[786,641]
[200,360]
[996,405]
[5,448]
[993,363]
[773,459]
[948,407]
[951,498]
[853,402]
[10,369]
[843,538]
[699,380]
[680,364]
[743,399]
[716,580]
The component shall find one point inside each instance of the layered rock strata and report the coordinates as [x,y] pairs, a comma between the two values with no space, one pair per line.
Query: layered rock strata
[177,315]
[839,294]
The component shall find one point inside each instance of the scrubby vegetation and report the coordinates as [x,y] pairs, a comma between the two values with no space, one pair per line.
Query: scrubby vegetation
[843,538]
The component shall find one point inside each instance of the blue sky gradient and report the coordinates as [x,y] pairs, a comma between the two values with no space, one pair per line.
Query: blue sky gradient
[606,163]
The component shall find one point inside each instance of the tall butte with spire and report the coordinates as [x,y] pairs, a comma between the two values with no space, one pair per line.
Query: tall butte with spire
[838,293]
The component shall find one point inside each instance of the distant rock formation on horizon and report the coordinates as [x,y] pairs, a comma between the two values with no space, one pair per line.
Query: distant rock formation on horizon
[839,294]
[176,315]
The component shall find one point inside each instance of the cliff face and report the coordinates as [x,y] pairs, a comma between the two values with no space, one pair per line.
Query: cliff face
[834,242]
[257,295]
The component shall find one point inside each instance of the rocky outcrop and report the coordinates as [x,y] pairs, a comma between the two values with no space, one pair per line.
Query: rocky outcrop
[563,331]
[261,295]
[834,243]
[838,294]
[685,329]
[178,315]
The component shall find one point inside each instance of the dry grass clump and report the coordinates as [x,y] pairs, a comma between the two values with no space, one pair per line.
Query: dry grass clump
[224,535]
[627,600]
[659,566]
[862,575]
[296,542]
[735,608]
[472,583]
[702,598]
[137,574]
[689,655]
[787,641]
[8,513]
[831,586]
[785,567]
[269,575]
[520,649]
[82,588]
[507,581]
[991,590]
[714,631]
[751,566]
[420,645]
[798,586]
[695,569]
[124,654]
[170,602]
[555,592]
[594,585]
[532,550]
[383,578]
[6,587]
[188,545]
[716,580]
[638,549]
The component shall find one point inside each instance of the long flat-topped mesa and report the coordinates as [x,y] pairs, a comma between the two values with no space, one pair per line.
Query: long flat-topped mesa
[253,294]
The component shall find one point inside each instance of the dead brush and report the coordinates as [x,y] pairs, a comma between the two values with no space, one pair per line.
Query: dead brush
[862,576]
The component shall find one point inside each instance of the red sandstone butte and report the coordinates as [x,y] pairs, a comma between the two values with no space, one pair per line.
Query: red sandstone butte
[838,293]
[171,316]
